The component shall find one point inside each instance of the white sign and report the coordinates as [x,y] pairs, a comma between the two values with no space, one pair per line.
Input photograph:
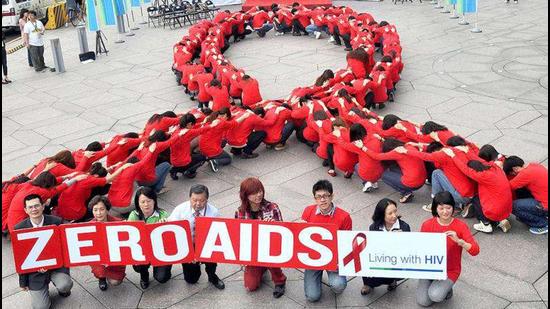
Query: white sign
[392,255]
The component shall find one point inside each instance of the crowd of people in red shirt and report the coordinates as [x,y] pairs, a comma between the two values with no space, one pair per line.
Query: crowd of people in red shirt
[334,117]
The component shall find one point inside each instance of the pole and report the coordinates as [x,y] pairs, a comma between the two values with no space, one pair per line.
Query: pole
[133,21]
[121,28]
[438,6]
[455,15]
[143,22]
[130,33]
[82,39]
[476,28]
[463,22]
[446,9]
[57,55]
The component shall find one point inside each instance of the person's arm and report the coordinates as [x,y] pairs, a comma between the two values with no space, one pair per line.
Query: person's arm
[521,181]
[424,156]
[388,156]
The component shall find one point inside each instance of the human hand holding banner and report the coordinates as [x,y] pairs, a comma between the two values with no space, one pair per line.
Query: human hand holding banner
[392,255]
[266,244]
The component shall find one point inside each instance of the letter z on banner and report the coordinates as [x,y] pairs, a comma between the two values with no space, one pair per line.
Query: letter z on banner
[266,244]
[392,255]
[36,248]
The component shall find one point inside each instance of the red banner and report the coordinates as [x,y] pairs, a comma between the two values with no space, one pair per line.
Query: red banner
[266,244]
[113,243]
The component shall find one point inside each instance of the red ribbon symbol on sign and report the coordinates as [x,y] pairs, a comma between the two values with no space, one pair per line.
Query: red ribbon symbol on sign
[355,254]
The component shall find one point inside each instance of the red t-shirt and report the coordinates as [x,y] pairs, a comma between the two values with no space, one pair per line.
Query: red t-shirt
[220,96]
[210,143]
[251,92]
[454,251]
[260,19]
[72,202]
[275,131]
[119,153]
[180,151]
[535,178]
[339,217]
[413,169]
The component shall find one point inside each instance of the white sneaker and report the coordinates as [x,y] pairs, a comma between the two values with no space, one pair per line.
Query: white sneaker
[368,187]
[375,185]
[279,34]
[505,225]
[481,227]
[331,40]
[427,208]
[317,35]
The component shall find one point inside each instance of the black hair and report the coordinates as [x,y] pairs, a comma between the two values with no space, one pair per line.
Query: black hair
[149,193]
[431,126]
[158,136]
[187,119]
[320,115]
[260,111]
[478,166]
[387,59]
[22,13]
[225,111]
[327,75]
[511,162]
[433,147]
[98,170]
[168,114]
[32,13]
[131,135]
[31,197]
[390,121]
[357,132]
[379,215]
[45,180]
[215,83]
[99,199]
[442,198]
[384,23]
[199,189]
[488,153]
[456,141]
[390,144]
[94,146]
[133,160]
[323,185]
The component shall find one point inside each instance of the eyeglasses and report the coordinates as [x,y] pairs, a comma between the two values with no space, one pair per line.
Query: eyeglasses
[29,207]
[323,197]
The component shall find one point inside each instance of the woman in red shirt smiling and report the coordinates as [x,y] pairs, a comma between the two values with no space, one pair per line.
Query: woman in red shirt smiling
[459,238]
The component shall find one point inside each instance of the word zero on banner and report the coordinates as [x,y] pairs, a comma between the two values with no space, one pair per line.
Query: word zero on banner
[393,255]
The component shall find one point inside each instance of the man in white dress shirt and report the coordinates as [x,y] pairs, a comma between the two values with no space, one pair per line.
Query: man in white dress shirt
[196,207]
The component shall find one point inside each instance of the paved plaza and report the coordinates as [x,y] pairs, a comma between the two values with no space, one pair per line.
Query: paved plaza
[490,87]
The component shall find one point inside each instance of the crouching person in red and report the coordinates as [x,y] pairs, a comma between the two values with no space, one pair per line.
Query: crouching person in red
[254,206]
[107,275]
[460,238]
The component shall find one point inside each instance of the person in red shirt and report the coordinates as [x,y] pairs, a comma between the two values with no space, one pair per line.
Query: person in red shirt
[282,21]
[300,20]
[250,91]
[219,94]
[325,212]
[107,275]
[211,143]
[202,79]
[261,22]
[358,63]
[279,133]
[9,189]
[254,206]
[343,31]
[338,156]
[459,238]
[181,157]
[369,170]
[534,177]
[248,136]
[123,146]
[411,174]
[447,176]
[71,205]
[493,205]
[65,165]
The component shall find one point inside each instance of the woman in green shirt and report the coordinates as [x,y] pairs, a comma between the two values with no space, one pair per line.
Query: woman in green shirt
[147,210]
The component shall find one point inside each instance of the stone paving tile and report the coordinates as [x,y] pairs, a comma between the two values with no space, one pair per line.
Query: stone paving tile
[42,114]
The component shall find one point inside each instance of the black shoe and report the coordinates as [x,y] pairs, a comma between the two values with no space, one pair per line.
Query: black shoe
[236,151]
[190,175]
[381,106]
[65,295]
[348,49]
[144,281]
[279,291]
[218,284]
[296,34]
[325,163]
[392,286]
[193,99]
[450,295]
[103,284]
[174,175]
[247,156]
[392,97]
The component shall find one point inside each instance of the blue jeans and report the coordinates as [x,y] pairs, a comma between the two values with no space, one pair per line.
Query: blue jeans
[530,212]
[313,284]
[161,172]
[313,28]
[441,183]
[393,179]
[264,29]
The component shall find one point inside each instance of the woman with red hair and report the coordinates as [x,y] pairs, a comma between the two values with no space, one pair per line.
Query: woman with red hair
[254,206]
